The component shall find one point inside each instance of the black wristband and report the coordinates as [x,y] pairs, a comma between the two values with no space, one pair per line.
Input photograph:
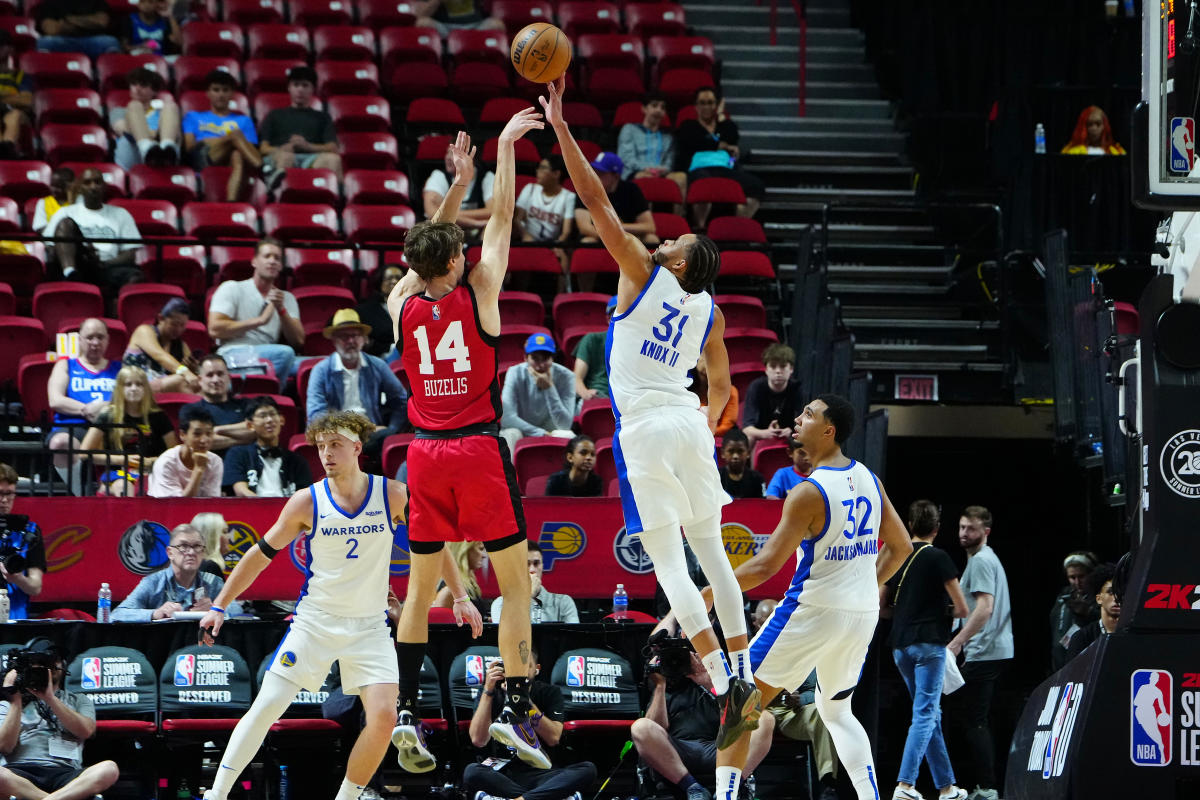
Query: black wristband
[266,549]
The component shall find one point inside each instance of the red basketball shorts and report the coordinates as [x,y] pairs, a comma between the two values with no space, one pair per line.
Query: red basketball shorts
[462,489]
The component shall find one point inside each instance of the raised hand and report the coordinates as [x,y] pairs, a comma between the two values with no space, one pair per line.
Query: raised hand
[525,120]
[552,103]
[462,155]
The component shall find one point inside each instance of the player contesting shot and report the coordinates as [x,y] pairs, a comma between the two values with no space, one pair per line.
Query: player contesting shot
[664,323]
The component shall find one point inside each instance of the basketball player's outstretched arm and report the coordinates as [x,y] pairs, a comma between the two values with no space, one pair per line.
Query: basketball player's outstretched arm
[295,518]
[463,156]
[627,249]
[716,360]
[895,545]
[488,275]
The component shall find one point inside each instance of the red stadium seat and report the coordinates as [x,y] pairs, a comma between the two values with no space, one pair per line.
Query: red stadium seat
[611,50]
[22,180]
[22,33]
[769,458]
[344,43]
[19,336]
[473,82]
[60,300]
[510,348]
[347,77]
[111,69]
[24,271]
[318,303]
[406,45]
[577,17]
[679,86]
[80,106]
[733,230]
[33,375]
[153,217]
[469,45]
[606,466]
[742,311]
[596,418]
[227,220]
[533,259]
[10,216]
[589,148]
[377,224]
[522,308]
[74,143]
[312,13]
[181,265]
[64,70]
[497,111]
[431,115]
[676,52]
[631,112]
[571,336]
[299,445]
[302,221]
[140,302]
[312,185]
[321,267]
[609,86]
[198,101]
[233,263]
[409,82]
[372,187]
[266,102]
[395,452]
[432,149]
[526,153]
[369,150]
[747,344]
[742,374]
[278,40]
[250,12]
[269,74]
[537,456]
[378,14]
[660,191]
[655,19]
[747,263]
[579,308]
[360,113]
[176,184]
[214,180]
[516,14]
[8,301]
[191,71]
[582,115]
[213,39]
[669,226]
[715,190]
[593,260]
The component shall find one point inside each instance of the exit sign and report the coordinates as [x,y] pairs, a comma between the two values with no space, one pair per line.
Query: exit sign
[916,387]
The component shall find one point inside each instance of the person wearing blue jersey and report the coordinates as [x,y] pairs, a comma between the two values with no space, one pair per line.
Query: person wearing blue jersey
[665,323]
[848,540]
[349,522]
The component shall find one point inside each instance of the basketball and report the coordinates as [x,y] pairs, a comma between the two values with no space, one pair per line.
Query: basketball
[540,52]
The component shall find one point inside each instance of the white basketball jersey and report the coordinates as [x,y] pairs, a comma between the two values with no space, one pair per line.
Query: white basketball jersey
[349,553]
[654,344]
[837,568]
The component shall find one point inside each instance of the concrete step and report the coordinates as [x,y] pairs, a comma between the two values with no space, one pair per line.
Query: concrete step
[889,272]
[914,313]
[828,158]
[850,175]
[835,194]
[871,325]
[885,288]
[769,133]
[787,68]
[778,112]
[894,252]
[925,365]
[786,33]
[939,352]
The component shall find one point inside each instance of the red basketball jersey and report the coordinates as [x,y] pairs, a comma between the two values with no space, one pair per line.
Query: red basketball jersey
[450,362]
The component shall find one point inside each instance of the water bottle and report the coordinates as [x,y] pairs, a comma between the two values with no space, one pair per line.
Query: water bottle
[104,604]
[283,782]
[1039,139]
[4,605]
[620,607]
[1130,11]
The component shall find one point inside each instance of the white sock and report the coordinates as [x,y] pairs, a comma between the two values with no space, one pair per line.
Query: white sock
[144,146]
[348,790]
[741,664]
[728,779]
[718,670]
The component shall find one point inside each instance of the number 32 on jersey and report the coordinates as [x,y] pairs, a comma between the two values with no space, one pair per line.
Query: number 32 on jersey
[451,347]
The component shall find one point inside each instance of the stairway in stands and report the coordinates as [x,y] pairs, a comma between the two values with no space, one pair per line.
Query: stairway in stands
[891,264]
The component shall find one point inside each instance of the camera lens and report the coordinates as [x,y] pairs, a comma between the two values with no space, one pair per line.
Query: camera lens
[14,563]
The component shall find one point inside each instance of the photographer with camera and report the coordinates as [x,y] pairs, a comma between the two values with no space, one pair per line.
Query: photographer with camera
[677,737]
[42,730]
[22,551]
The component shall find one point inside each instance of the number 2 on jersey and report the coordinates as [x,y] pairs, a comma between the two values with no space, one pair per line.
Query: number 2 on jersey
[451,347]
[862,527]
[353,546]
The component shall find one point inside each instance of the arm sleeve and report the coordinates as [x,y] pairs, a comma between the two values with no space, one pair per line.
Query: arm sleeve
[511,401]
[52,223]
[668,156]
[556,485]
[136,607]
[984,578]
[315,400]
[944,566]
[627,149]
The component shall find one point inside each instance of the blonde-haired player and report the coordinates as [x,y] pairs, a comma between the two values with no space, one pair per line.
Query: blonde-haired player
[350,521]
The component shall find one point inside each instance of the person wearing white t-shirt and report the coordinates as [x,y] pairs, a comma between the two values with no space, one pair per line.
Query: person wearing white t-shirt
[476,207]
[107,264]
[546,210]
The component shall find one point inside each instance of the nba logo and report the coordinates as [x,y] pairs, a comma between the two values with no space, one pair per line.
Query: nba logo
[90,679]
[1151,693]
[474,670]
[1183,144]
[575,669]
[437,311]
[185,669]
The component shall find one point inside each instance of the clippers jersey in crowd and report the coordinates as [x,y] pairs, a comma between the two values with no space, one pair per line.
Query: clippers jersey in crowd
[349,553]
[653,345]
[87,386]
[837,568]
[450,362]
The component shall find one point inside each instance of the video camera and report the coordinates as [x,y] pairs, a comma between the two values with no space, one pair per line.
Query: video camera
[32,664]
[673,654]
[14,537]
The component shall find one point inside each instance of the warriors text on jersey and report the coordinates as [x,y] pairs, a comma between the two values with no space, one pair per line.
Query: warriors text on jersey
[449,361]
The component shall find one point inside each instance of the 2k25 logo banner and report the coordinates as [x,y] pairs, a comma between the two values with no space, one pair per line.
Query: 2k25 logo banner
[1173,595]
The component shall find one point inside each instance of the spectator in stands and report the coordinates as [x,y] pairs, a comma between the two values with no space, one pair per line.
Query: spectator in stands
[150,29]
[1100,581]
[16,100]
[248,317]
[180,586]
[220,137]
[62,193]
[773,400]
[216,397]
[19,535]
[80,388]
[796,717]
[647,150]
[351,380]
[189,469]
[546,606]
[147,127]
[786,478]
[538,395]
[158,349]
[737,479]
[591,368]
[107,264]
[299,135]
[448,15]
[468,557]
[213,528]
[707,147]
[263,468]
[373,311]
[75,26]
[133,430]
[627,199]
[578,478]
[476,208]
[545,210]
[42,735]
[1074,608]
[1092,135]
[699,387]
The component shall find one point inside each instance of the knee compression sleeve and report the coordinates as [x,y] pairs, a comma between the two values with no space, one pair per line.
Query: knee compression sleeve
[273,699]
[705,540]
[851,742]
[665,548]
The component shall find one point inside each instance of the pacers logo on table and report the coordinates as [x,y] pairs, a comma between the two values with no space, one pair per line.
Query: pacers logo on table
[560,540]
[1150,699]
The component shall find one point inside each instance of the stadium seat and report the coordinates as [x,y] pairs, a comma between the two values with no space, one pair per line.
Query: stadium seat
[233,263]
[269,74]
[74,143]
[606,466]
[570,339]
[300,221]
[577,17]
[725,191]
[593,260]
[747,344]
[432,149]
[360,113]
[532,259]
[228,220]
[19,336]
[655,19]
[344,43]
[266,102]
[579,308]
[299,445]
[372,187]
[111,69]
[172,402]
[10,216]
[433,115]
[744,373]
[318,303]
[526,153]
[57,70]
[742,311]
[469,45]
[379,224]
[251,12]
[611,86]
[214,180]
[153,217]
[175,184]
[22,33]
[510,348]
[53,302]
[395,451]
[497,111]
[369,150]
[1127,318]
[409,82]
[596,418]
[660,191]
[139,302]
[535,456]
[24,271]
[676,52]
[278,40]
[118,333]
[408,45]
[311,13]
[611,50]
[522,308]
[679,86]
[181,265]
[320,267]
[193,100]
[473,82]
[669,226]
[735,230]
[347,77]
[22,180]
[630,112]
[769,457]
[33,374]
[377,14]
[79,106]
[584,116]
[308,185]
[516,14]
[191,71]
[589,148]
[8,300]
[114,177]
[213,39]
[746,263]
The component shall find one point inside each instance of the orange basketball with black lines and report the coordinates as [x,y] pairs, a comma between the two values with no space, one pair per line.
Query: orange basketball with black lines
[540,52]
